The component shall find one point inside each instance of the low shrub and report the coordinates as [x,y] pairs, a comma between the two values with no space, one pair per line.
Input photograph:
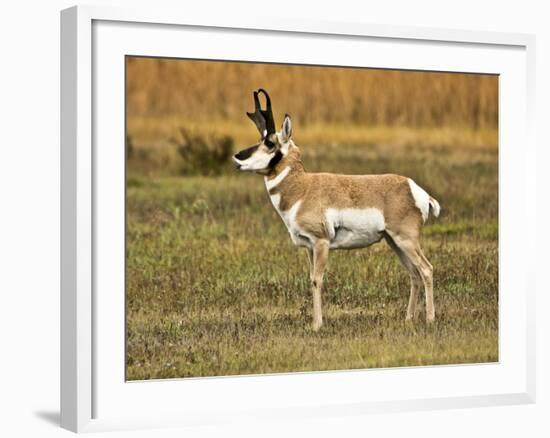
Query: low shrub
[203,154]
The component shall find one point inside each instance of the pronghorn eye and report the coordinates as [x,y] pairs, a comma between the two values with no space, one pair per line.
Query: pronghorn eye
[269,143]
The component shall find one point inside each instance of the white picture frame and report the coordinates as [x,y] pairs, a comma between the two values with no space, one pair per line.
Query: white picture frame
[93,389]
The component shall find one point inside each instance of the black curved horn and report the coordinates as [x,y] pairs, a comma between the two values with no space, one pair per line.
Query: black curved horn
[257,116]
[268,113]
[263,119]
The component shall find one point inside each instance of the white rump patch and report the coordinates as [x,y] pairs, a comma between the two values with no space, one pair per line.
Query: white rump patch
[421,199]
[274,182]
[354,227]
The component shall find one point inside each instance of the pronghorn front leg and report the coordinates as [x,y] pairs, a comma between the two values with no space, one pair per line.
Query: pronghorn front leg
[320,258]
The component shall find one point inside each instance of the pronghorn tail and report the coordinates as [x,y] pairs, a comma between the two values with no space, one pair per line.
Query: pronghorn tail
[436,209]
[423,201]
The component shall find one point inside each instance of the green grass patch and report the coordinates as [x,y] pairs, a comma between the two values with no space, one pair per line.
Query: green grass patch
[215,287]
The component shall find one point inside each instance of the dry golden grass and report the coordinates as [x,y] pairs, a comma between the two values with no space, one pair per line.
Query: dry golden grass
[156,154]
[329,106]
[151,131]
[207,91]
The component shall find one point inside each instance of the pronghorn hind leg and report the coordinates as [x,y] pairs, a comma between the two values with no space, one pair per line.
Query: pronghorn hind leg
[412,251]
[320,258]
[427,278]
[416,280]
[413,297]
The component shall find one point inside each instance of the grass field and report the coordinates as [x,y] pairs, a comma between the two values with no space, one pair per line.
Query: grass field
[215,287]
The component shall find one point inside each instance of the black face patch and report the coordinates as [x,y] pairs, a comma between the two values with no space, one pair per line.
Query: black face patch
[275,160]
[246,153]
[269,143]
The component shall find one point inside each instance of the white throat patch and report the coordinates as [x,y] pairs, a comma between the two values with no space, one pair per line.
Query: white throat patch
[271,183]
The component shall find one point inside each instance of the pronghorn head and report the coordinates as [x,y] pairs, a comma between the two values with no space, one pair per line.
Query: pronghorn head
[273,145]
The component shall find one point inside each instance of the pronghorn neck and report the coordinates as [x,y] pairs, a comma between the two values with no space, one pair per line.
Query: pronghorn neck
[284,183]
[290,159]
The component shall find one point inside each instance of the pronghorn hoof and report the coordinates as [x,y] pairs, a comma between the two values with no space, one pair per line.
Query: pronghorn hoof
[316,326]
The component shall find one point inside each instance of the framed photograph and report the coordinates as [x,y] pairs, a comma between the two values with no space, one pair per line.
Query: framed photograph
[282,219]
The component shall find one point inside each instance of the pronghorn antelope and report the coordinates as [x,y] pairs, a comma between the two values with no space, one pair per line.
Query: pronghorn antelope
[324,211]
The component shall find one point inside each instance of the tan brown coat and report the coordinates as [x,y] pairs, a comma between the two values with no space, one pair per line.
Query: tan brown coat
[325,210]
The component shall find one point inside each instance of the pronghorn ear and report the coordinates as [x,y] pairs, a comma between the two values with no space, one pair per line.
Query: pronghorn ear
[286,130]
